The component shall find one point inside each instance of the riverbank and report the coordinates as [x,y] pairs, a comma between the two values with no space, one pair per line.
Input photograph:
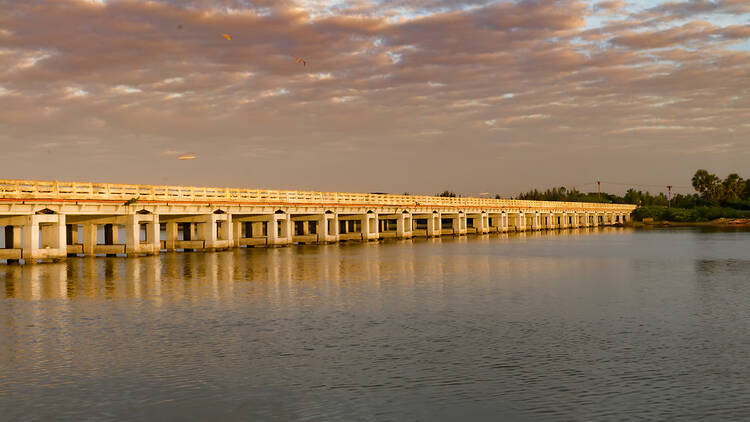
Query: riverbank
[719,222]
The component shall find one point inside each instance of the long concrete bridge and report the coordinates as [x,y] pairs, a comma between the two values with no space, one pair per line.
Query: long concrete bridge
[53,220]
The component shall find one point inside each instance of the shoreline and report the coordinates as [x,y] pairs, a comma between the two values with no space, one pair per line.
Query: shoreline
[721,222]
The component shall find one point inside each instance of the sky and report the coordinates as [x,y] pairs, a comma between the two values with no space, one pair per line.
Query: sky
[397,96]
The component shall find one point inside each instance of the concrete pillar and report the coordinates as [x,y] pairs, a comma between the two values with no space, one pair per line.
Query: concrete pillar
[280,230]
[171,236]
[461,224]
[370,227]
[237,233]
[434,225]
[133,244]
[153,234]
[404,226]
[226,231]
[328,228]
[132,235]
[207,231]
[517,221]
[596,219]
[30,240]
[51,236]
[89,239]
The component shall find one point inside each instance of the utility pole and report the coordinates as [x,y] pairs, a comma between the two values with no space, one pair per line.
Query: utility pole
[669,196]
[598,189]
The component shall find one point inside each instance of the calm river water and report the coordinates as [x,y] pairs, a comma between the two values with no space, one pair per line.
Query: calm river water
[608,324]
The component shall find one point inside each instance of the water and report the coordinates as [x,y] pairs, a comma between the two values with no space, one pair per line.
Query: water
[609,324]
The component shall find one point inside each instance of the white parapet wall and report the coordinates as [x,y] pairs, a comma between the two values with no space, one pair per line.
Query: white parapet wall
[43,219]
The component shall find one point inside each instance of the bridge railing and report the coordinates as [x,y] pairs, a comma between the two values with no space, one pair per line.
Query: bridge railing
[27,189]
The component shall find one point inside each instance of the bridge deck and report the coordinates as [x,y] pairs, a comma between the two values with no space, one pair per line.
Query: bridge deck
[51,220]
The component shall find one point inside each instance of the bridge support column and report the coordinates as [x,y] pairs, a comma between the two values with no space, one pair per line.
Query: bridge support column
[216,231]
[47,230]
[170,240]
[89,239]
[495,223]
[280,230]
[237,233]
[435,225]
[516,221]
[134,246]
[404,226]
[484,221]
[532,220]
[480,223]
[370,227]
[461,220]
[545,221]
[328,228]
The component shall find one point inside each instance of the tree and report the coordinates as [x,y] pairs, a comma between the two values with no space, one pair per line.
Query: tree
[447,194]
[708,185]
[733,186]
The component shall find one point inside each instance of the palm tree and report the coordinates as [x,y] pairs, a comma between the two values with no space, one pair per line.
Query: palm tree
[733,186]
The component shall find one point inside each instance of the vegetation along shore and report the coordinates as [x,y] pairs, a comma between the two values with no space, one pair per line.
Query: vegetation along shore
[716,202]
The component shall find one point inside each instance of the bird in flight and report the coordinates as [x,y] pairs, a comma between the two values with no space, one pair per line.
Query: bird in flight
[187,156]
[227,37]
[301,60]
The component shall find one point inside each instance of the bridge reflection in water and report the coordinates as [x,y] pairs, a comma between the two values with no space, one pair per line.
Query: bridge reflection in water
[277,272]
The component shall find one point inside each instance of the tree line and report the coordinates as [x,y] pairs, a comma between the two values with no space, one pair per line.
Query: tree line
[733,192]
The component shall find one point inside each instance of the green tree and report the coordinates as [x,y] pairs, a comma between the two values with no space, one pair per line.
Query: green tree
[733,187]
[447,194]
[708,185]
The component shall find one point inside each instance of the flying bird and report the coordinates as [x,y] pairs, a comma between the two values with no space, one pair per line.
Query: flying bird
[227,37]
[301,60]
[188,156]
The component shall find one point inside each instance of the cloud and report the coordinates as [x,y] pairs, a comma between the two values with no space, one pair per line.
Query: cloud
[388,78]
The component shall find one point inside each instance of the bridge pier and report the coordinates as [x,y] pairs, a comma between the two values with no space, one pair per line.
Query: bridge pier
[370,226]
[477,223]
[404,226]
[135,244]
[43,237]
[516,221]
[279,229]
[329,228]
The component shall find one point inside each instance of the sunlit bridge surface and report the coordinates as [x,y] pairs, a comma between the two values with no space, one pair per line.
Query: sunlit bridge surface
[586,324]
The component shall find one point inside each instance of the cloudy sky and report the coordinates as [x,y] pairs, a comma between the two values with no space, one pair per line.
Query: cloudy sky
[397,95]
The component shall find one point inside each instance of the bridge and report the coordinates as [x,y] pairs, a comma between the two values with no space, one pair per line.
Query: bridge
[51,220]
